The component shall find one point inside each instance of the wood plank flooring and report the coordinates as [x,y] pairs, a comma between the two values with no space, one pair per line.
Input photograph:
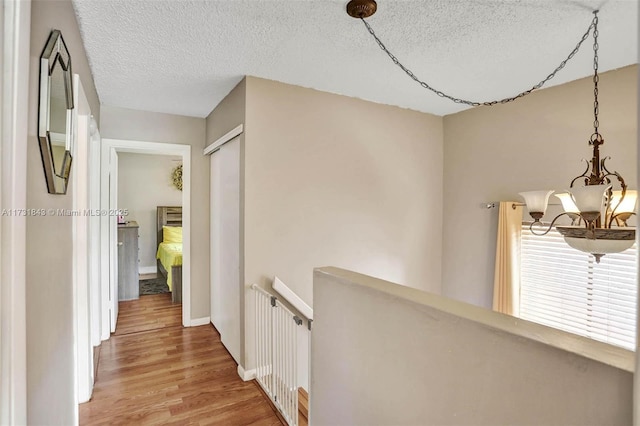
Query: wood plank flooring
[147,313]
[303,407]
[162,373]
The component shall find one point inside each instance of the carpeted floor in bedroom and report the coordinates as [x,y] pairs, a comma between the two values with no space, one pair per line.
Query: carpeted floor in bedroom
[156,285]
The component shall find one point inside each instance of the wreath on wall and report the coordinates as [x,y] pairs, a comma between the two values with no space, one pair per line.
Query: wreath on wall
[176,177]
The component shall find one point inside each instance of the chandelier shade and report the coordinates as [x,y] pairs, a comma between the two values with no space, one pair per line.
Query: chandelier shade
[537,201]
[626,204]
[599,245]
[588,199]
[567,203]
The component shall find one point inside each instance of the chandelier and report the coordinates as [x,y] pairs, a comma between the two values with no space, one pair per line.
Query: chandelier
[598,211]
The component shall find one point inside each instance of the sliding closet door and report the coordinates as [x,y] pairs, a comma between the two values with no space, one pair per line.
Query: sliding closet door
[225,245]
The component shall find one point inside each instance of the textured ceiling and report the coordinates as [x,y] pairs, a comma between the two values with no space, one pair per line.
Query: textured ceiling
[183,57]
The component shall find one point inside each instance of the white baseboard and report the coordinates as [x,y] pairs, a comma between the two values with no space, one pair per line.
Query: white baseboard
[246,375]
[200,321]
[148,270]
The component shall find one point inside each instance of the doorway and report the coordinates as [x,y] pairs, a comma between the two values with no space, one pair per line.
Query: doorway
[109,226]
[150,199]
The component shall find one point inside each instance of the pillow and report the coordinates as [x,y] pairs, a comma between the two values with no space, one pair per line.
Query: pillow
[172,234]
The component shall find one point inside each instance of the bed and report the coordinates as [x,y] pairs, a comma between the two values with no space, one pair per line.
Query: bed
[169,252]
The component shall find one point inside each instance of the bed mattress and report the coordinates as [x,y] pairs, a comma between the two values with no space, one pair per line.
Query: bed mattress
[169,254]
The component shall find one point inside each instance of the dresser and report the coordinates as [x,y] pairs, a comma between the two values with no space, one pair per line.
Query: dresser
[128,285]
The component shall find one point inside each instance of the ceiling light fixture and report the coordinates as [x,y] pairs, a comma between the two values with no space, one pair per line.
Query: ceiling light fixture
[361,8]
[598,213]
[603,211]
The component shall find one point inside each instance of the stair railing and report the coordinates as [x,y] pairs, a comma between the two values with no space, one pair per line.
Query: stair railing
[277,352]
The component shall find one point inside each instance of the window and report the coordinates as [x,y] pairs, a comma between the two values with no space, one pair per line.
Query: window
[566,289]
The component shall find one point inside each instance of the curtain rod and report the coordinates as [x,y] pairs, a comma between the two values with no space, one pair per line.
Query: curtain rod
[494,204]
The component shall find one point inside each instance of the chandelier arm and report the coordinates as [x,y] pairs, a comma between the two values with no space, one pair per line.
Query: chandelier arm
[440,93]
[555,219]
[622,217]
[583,175]
[623,185]
[603,165]
[629,213]
[618,176]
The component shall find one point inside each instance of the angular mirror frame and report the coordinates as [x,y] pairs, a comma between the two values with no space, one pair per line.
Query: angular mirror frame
[48,60]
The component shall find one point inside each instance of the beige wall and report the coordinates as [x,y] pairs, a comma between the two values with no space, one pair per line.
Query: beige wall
[491,154]
[337,180]
[361,180]
[127,124]
[228,114]
[49,298]
[144,182]
[384,354]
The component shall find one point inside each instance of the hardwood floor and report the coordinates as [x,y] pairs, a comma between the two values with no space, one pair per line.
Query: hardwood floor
[161,373]
[149,312]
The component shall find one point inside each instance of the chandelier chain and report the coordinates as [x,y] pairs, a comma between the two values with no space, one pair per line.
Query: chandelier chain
[596,79]
[440,93]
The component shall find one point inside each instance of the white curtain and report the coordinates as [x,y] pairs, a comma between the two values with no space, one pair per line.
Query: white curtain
[506,283]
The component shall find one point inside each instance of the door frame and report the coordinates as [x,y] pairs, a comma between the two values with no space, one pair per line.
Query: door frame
[94,232]
[114,308]
[109,244]
[81,241]
[15,27]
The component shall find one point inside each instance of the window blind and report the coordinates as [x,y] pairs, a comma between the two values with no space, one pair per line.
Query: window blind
[566,289]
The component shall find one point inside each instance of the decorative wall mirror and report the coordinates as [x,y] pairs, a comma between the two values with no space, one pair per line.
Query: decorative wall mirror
[55,129]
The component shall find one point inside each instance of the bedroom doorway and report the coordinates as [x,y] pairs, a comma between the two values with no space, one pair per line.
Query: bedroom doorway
[109,178]
[150,200]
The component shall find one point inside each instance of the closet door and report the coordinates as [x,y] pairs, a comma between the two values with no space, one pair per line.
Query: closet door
[225,245]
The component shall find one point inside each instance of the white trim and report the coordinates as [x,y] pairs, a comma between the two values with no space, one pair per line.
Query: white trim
[246,375]
[636,377]
[94,239]
[292,298]
[15,27]
[200,321]
[154,148]
[105,251]
[224,139]
[113,239]
[82,305]
[148,270]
